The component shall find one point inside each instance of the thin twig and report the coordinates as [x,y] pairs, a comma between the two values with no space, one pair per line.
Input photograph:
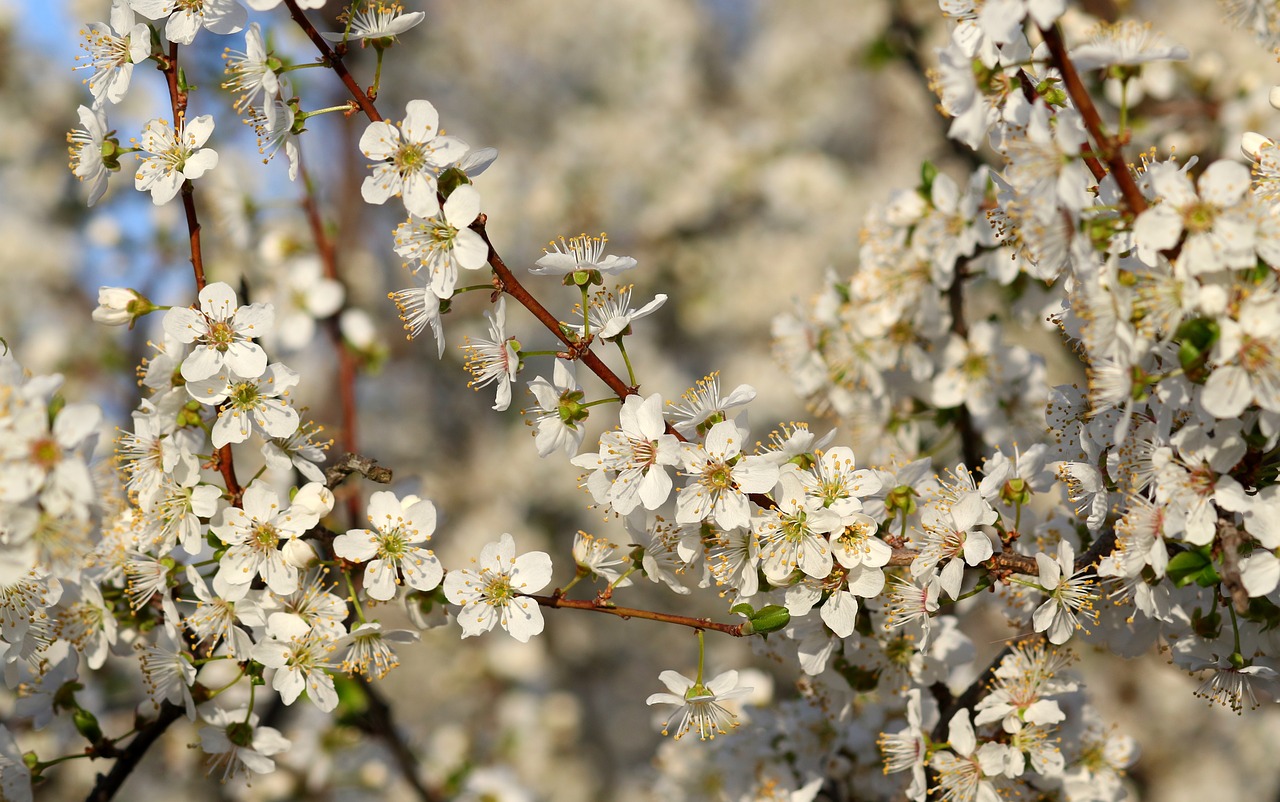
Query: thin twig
[598,606]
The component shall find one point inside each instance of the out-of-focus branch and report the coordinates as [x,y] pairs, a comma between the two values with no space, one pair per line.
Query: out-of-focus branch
[380,724]
[127,759]
[328,254]
[970,441]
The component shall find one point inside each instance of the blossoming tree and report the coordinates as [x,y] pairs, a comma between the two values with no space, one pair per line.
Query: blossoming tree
[235,572]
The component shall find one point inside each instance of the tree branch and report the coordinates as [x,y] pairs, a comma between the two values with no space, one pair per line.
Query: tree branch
[598,605]
[108,784]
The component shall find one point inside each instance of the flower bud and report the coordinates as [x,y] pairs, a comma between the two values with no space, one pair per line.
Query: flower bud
[770,618]
[87,725]
[120,305]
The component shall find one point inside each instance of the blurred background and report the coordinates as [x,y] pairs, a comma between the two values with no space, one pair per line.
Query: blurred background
[731,146]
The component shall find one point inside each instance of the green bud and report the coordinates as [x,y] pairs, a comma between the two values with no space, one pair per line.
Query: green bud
[30,760]
[87,725]
[928,172]
[770,618]
[1196,339]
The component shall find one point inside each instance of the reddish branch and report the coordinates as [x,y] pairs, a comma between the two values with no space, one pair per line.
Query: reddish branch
[599,605]
[328,254]
[334,61]
[222,460]
[1108,146]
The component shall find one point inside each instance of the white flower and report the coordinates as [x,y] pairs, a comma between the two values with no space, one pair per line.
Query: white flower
[963,774]
[222,331]
[409,159]
[249,73]
[218,16]
[113,50]
[419,308]
[216,618]
[297,451]
[560,414]
[118,306]
[1247,359]
[1217,221]
[699,705]
[169,671]
[794,534]
[702,406]
[369,650]
[952,537]
[389,548]
[379,23]
[443,243]
[721,478]
[43,459]
[597,556]
[250,404]
[298,653]
[495,593]
[496,359]
[1069,592]
[580,253]
[15,777]
[234,741]
[611,315]
[262,535]
[301,295]
[906,749]
[175,157]
[87,146]
[1126,43]
[636,456]
[274,124]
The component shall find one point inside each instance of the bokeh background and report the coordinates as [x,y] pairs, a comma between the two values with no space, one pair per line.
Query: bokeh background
[732,147]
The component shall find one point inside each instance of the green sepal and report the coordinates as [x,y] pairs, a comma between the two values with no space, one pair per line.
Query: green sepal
[1193,565]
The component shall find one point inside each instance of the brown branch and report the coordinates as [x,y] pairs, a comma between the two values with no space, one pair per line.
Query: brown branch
[338,470]
[971,696]
[108,784]
[1229,541]
[1013,562]
[600,606]
[334,61]
[1107,145]
[223,459]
